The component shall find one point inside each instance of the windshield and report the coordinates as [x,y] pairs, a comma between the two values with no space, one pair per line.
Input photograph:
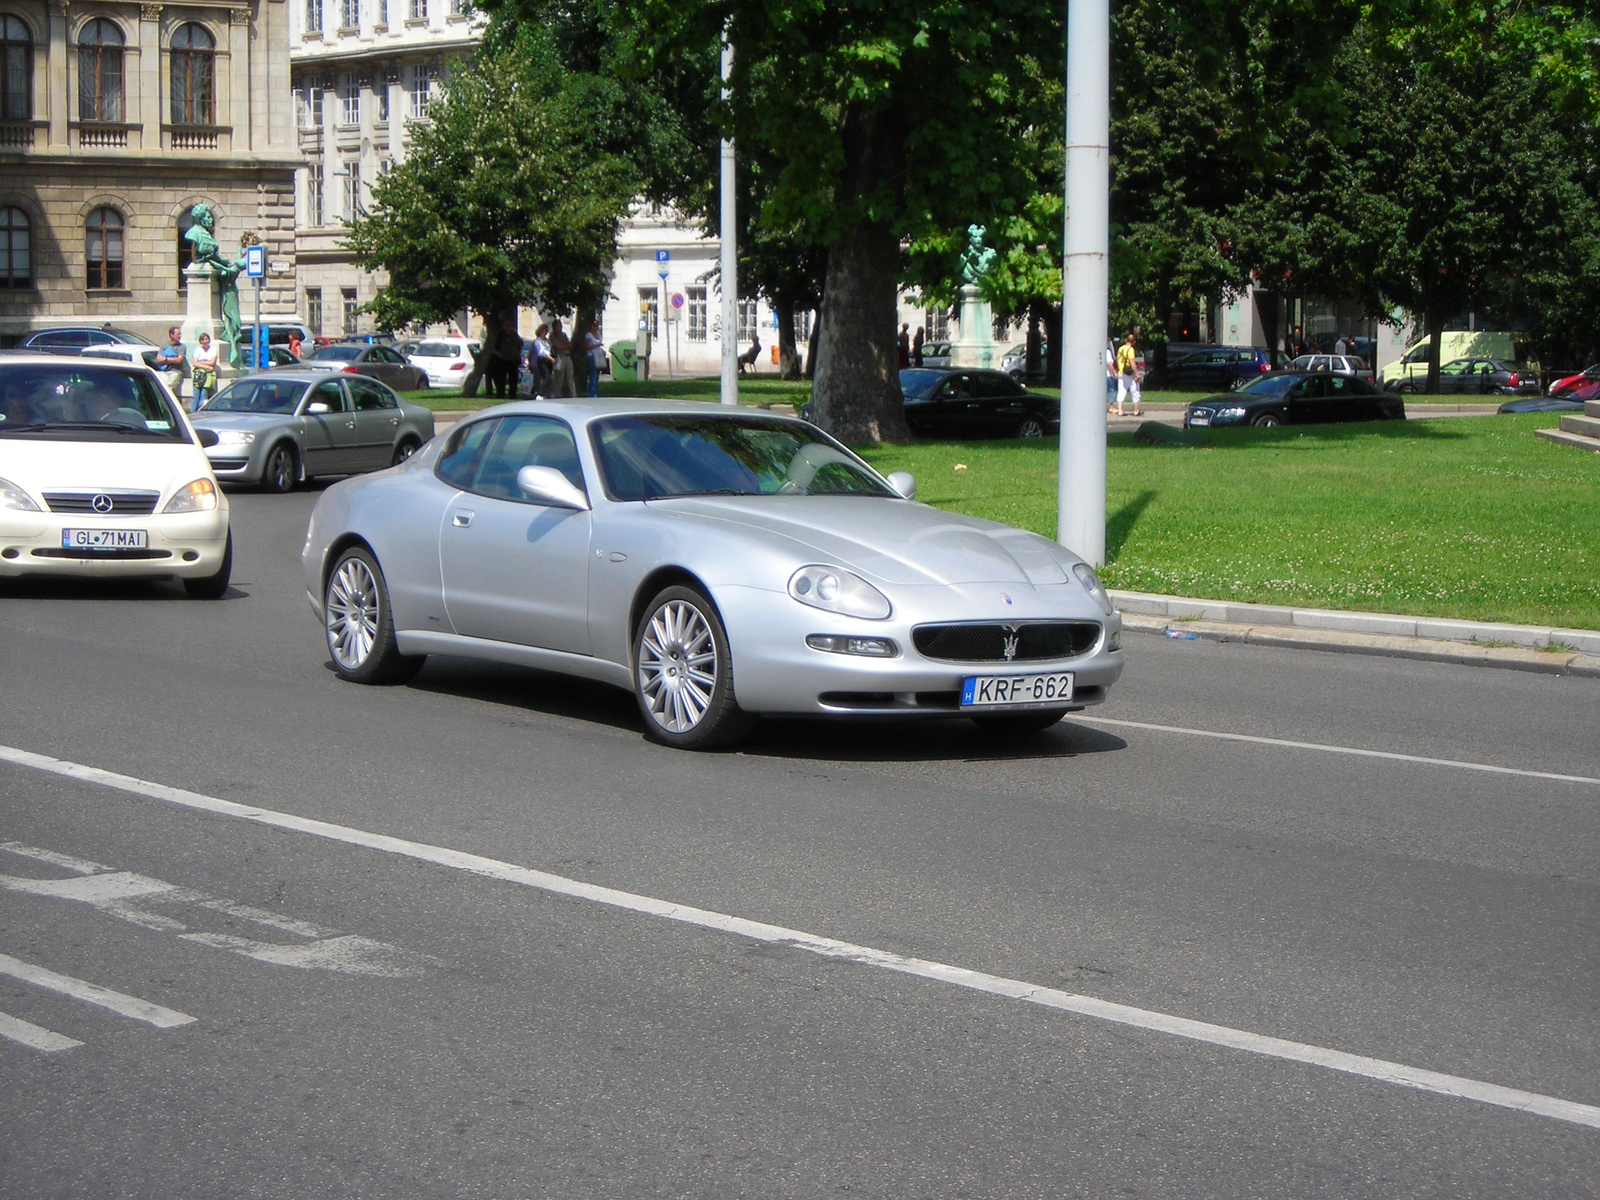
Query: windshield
[71,403]
[258,396]
[916,382]
[1269,385]
[656,457]
[339,353]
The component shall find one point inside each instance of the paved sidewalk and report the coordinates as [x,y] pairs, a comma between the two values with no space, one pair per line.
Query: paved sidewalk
[1518,647]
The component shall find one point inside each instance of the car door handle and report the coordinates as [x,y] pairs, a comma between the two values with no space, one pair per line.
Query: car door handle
[462,519]
[394,420]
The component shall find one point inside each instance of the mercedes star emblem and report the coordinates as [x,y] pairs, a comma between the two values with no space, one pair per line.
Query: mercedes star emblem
[103,503]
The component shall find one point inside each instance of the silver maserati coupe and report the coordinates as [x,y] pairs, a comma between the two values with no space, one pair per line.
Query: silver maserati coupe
[720,564]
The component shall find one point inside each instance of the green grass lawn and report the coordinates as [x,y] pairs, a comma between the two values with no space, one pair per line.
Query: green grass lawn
[1471,517]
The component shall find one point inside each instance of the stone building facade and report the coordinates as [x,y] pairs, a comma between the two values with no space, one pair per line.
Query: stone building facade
[115,119]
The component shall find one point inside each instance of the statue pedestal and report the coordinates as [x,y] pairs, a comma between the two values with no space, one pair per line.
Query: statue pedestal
[201,313]
[975,346]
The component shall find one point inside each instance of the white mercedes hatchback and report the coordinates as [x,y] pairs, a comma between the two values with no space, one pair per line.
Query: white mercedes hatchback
[102,476]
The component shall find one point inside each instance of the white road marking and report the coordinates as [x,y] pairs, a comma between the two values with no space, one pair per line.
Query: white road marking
[35,1037]
[93,993]
[1398,1074]
[1330,749]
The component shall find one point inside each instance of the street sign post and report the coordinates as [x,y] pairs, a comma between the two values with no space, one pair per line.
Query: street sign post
[255,267]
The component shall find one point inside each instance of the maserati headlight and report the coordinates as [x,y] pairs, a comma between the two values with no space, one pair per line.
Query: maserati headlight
[834,590]
[11,496]
[1091,584]
[234,437]
[198,496]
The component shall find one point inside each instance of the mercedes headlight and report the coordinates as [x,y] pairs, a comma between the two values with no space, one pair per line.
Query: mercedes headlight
[11,496]
[1091,584]
[199,496]
[838,591]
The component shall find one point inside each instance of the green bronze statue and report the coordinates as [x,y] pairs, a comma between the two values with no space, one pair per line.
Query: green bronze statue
[976,259]
[202,235]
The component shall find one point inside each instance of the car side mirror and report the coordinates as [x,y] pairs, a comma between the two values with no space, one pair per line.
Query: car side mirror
[550,486]
[905,483]
[317,407]
[207,438]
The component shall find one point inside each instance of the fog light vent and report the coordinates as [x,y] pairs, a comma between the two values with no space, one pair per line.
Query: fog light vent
[870,647]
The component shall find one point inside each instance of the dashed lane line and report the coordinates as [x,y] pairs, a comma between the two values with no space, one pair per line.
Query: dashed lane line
[1398,1074]
[33,1036]
[1326,748]
[93,993]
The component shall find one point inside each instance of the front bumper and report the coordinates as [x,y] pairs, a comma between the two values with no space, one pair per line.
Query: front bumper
[188,545]
[775,671]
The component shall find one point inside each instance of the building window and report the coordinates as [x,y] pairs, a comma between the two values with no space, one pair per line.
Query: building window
[16,263]
[802,325]
[100,72]
[352,190]
[347,307]
[194,56]
[185,248]
[309,102]
[350,93]
[419,10]
[350,14]
[314,311]
[316,208]
[649,308]
[313,16]
[747,321]
[16,71]
[382,92]
[419,83]
[938,324]
[460,8]
[697,313]
[103,248]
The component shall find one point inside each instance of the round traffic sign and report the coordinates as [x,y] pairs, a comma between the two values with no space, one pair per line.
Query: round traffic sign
[677,299]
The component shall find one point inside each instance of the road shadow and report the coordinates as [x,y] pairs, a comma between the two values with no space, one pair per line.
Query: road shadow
[953,739]
[104,591]
[1253,438]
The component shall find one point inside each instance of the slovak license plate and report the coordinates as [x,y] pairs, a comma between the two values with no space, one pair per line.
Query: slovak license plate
[1200,418]
[104,539]
[1016,691]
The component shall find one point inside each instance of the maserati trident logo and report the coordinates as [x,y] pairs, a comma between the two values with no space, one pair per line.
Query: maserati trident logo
[102,503]
[1009,649]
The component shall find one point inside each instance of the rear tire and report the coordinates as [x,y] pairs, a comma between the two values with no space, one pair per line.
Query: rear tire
[281,471]
[403,451]
[683,674]
[215,586]
[1016,725]
[358,623]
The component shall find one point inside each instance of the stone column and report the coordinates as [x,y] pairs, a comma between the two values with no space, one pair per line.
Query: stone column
[975,346]
[62,103]
[148,100]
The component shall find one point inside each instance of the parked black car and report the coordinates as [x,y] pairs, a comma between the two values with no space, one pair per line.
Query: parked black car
[961,402]
[73,339]
[1297,398]
[1479,377]
[1222,366]
[1566,403]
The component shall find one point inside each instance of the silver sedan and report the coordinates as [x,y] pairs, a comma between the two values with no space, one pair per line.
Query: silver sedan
[280,427]
[721,565]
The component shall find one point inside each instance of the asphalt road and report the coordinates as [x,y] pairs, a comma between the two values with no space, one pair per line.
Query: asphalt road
[396,1003]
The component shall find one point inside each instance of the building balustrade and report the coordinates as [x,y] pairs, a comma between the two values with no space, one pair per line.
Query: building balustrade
[20,135]
[103,135]
[195,137]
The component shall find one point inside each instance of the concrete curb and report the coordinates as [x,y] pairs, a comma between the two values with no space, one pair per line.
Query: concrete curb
[1479,643]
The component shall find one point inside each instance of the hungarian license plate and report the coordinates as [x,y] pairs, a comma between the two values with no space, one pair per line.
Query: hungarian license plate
[1199,418]
[1016,691]
[104,539]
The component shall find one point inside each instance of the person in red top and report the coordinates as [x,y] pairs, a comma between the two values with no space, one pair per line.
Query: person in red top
[294,342]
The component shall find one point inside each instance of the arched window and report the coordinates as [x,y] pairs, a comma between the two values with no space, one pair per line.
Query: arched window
[100,72]
[102,248]
[194,64]
[185,247]
[16,70]
[16,262]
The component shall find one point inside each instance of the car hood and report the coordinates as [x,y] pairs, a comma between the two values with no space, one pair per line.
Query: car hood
[898,542]
[39,466]
[239,420]
[1232,400]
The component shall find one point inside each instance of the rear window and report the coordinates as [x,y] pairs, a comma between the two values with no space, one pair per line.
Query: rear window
[438,350]
[339,353]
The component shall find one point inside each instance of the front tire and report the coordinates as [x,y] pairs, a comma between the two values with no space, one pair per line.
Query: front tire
[1013,725]
[683,674]
[359,623]
[281,471]
[1030,427]
[215,586]
[1267,421]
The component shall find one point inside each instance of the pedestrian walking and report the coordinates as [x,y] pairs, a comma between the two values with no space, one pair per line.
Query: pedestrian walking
[903,346]
[1111,375]
[204,372]
[172,360]
[916,346]
[504,358]
[1128,376]
[561,347]
[594,352]
[541,361]
[295,342]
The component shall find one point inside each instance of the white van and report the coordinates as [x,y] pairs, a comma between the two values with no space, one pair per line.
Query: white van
[1460,343]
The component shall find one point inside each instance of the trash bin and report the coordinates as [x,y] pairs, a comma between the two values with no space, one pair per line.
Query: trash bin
[624,362]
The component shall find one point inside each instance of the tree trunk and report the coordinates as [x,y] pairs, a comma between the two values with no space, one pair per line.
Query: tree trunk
[480,360]
[1433,326]
[1033,364]
[580,360]
[788,355]
[857,393]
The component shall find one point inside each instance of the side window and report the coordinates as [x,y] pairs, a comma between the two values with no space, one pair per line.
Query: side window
[1336,384]
[459,462]
[384,354]
[370,395]
[525,442]
[331,394]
